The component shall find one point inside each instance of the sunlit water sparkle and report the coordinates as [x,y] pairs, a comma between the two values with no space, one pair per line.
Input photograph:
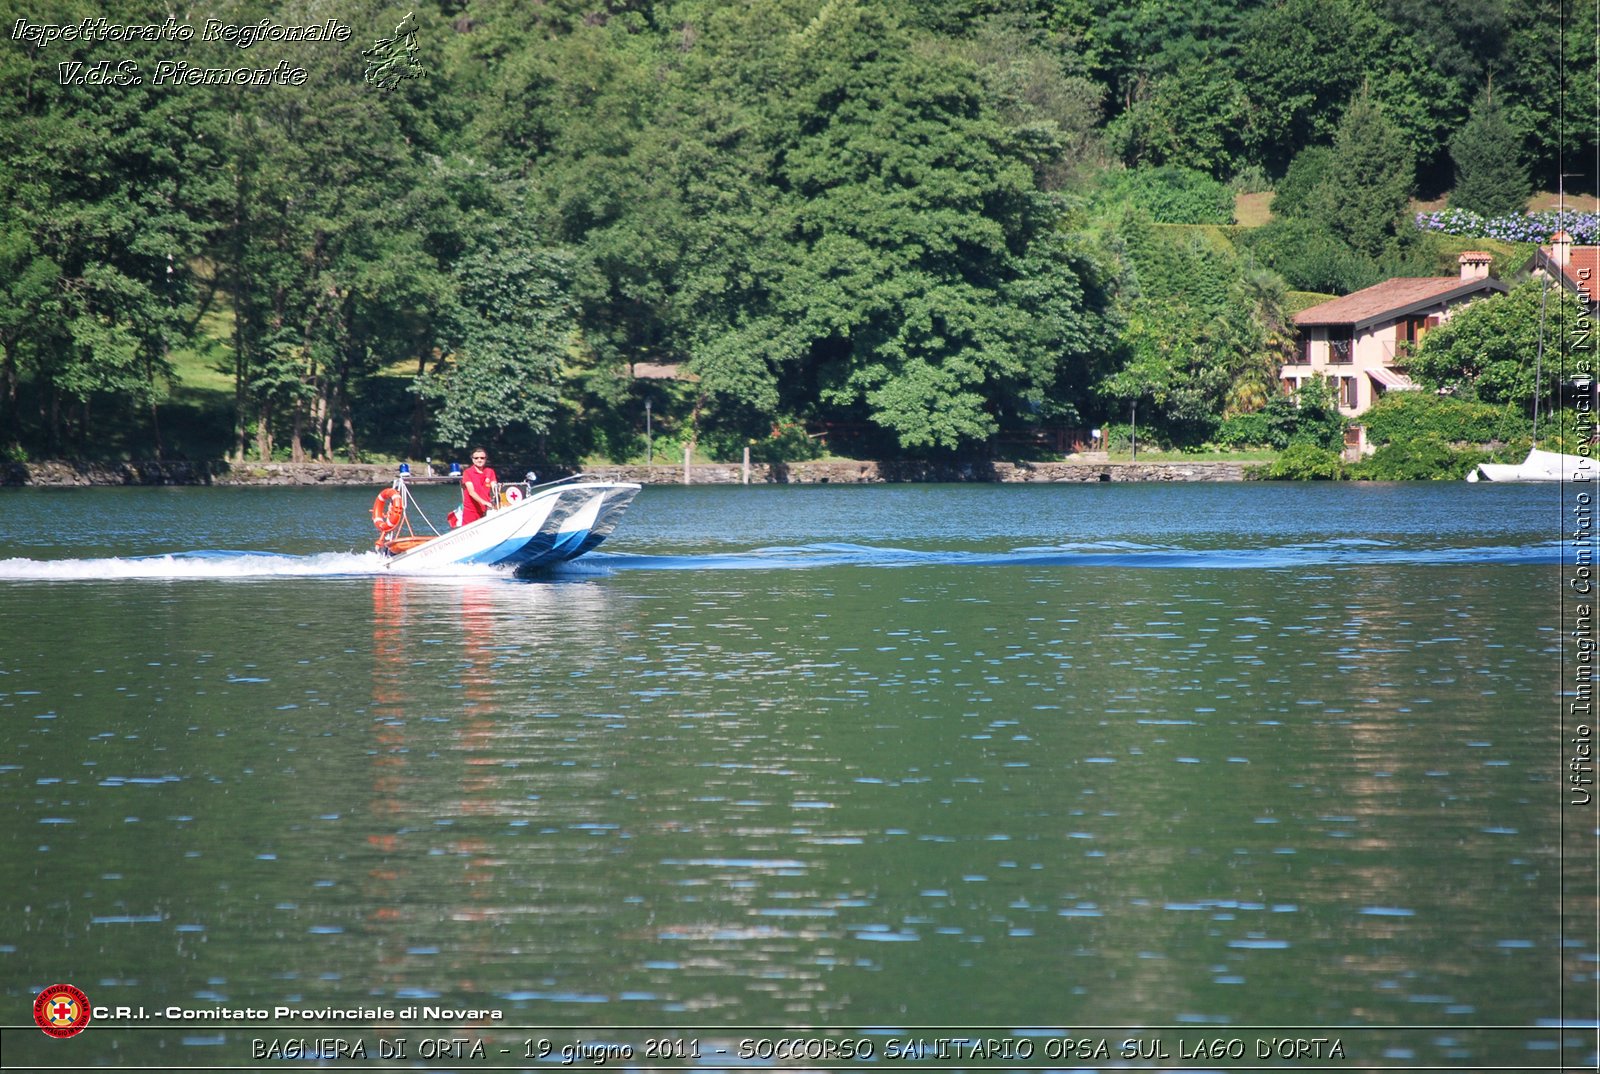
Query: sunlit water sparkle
[941,756]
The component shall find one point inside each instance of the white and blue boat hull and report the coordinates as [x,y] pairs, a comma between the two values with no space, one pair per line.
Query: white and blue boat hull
[548,526]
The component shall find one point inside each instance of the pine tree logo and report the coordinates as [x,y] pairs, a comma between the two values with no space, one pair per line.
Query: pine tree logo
[392,60]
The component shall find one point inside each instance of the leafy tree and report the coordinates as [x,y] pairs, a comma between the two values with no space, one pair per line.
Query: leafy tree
[508,336]
[1131,45]
[1309,416]
[1244,430]
[1490,350]
[30,326]
[909,270]
[1421,102]
[1310,257]
[332,246]
[1400,417]
[1192,118]
[1037,82]
[1301,60]
[1490,176]
[1204,331]
[1550,84]
[107,193]
[1465,38]
[577,113]
[1308,170]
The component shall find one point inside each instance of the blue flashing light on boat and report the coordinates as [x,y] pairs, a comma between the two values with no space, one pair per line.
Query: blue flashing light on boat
[405,469]
[455,469]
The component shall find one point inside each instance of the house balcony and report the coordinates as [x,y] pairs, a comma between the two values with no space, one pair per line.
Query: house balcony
[1396,351]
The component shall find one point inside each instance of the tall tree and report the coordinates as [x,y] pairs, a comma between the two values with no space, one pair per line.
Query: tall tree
[107,190]
[1037,81]
[1364,193]
[1309,168]
[1194,117]
[507,337]
[1490,176]
[1549,80]
[1301,60]
[331,248]
[1131,45]
[1205,330]
[1459,45]
[911,244]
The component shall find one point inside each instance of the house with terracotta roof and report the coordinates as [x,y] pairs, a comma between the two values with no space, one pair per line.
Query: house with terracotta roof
[1577,267]
[1357,342]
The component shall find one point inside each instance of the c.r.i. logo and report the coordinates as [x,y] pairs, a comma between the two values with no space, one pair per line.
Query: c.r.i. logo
[61,1011]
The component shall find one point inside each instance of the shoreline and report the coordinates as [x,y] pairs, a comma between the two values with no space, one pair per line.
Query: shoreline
[69,474]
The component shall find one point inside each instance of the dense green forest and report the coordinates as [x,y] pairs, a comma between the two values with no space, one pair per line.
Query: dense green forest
[922,226]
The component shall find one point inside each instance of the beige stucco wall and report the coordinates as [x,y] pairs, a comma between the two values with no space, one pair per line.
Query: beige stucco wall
[1372,349]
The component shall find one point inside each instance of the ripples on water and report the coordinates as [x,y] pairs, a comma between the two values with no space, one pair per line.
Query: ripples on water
[223,563]
[694,785]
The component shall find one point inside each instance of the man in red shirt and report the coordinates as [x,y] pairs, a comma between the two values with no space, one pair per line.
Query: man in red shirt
[477,488]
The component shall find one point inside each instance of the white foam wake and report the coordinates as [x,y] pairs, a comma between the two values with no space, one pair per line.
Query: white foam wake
[193,565]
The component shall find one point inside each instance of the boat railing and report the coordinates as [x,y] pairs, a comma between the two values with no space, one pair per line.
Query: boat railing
[528,485]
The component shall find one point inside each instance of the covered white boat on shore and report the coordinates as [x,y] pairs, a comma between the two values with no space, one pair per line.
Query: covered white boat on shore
[531,526]
[1539,466]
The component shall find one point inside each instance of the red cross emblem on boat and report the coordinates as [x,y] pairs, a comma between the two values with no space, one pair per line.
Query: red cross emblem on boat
[61,1011]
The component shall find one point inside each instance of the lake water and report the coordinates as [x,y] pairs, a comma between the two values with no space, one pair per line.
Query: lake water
[1148,765]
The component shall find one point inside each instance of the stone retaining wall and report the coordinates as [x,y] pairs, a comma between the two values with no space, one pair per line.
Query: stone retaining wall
[306,473]
[65,474]
[866,473]
[61,474]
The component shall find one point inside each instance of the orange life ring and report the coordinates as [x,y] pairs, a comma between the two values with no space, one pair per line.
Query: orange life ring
[388,510]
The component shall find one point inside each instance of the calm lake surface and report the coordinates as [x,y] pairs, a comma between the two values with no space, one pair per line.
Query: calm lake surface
[1170,762]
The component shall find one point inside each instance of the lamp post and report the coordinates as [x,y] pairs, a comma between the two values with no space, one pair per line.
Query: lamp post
[1134,422]
[649,443]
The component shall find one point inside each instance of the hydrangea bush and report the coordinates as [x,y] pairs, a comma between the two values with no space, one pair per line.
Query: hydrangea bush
[1514,227]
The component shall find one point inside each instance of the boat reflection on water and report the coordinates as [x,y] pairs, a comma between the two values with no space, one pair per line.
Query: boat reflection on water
[460,713]
[544,837]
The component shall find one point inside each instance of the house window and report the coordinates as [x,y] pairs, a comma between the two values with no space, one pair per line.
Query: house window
[1410,333]
[1302,350]
[1349,395]
[1341,346]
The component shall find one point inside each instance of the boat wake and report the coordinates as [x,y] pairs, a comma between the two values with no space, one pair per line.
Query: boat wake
[205,564]
[1349,552]
[1344,553]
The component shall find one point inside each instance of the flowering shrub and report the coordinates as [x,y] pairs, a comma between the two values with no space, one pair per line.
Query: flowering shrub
[1515,227]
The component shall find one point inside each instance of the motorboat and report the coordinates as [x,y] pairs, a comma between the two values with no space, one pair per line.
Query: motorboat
[1539,466]
[530,526]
